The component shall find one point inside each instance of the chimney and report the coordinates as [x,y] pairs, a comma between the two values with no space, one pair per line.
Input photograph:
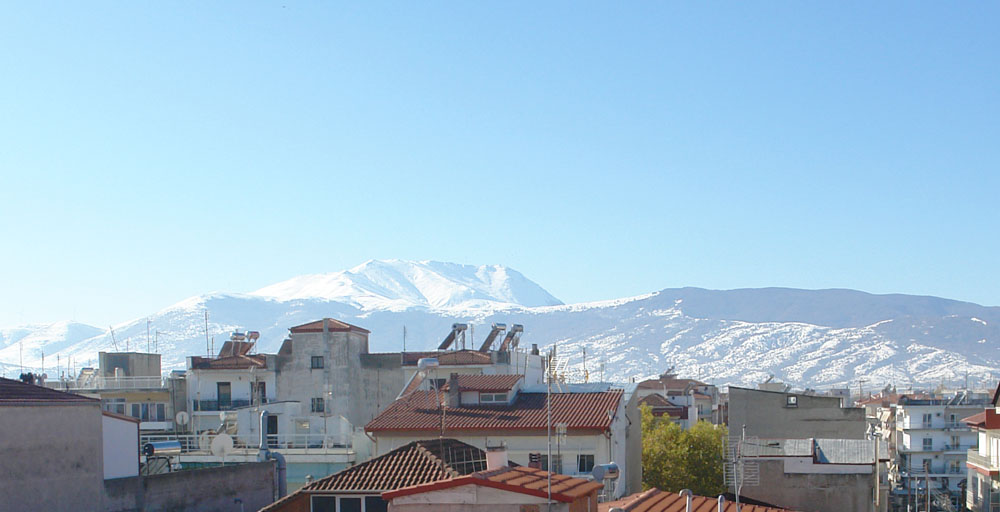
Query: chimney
[534,349]
[454,393]
[496,457]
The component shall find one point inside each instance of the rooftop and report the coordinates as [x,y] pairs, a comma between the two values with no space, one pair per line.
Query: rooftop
[449,357]
[331,325]
[421,411]
[523,480]
[655,500]
[669,383]
[15,392]
[494,383]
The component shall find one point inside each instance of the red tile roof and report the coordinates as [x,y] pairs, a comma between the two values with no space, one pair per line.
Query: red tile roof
[15,392]
[523,480]
[449,357]
[659,406]
[494,383]
[332,325]
[655,500]
[419,411]
[415,463]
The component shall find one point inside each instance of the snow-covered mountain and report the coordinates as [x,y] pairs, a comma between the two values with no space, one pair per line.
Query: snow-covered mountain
[815,338]
[399,285]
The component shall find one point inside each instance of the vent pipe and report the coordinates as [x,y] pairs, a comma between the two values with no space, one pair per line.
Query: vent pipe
[266,454]
[688,495]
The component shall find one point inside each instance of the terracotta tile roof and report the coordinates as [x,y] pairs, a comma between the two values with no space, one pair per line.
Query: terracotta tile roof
[976,420]
[655,400]
[660,406]
[333,325]
[240,362]
[495,383]
[416,463]
[655,500]
[15,392]
[523,480]
[449,357]
[419,411]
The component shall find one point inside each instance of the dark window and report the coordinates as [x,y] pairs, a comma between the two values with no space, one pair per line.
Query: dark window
[317,361]
[556,463]
[138,415]
[224,392]
[324,504]
[585,463]
[161,412]
[317,405]
[376,504]
[350,504]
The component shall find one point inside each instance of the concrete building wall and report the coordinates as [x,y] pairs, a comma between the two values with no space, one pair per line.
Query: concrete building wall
[812,492]
[382,379]
[210,489]
[767,414]
[120,447]
[132,364]
[337,382]
[52,457]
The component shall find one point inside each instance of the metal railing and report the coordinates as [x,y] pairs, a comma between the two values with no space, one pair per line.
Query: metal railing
[216,405]
[302,443]
[95,382]
[973,457]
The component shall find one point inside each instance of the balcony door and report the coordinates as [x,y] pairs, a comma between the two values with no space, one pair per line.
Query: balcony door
[224,392]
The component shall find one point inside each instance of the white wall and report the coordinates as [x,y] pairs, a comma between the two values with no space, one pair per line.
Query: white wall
[121,447]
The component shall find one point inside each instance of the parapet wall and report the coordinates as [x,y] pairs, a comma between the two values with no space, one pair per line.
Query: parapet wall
[194,490]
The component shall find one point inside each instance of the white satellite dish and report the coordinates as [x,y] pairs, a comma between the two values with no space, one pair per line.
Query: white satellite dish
[182,418]
[204,441]
[222,445]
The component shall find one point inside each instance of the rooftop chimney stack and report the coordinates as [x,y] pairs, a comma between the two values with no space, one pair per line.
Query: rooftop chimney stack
[454,393]
[496,457]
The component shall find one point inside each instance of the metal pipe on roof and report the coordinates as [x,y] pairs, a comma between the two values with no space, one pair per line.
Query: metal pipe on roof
[722,503]
[689,496]
[267,454]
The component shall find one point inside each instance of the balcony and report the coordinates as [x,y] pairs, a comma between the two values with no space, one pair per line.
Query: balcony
[192,444]
[973,457]
[959,448]
[956,425]
[98,383]
[215,405]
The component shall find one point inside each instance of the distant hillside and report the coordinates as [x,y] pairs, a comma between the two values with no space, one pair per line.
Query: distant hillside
[815,338]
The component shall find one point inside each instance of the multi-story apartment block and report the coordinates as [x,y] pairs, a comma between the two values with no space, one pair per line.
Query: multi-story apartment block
[983,461]
[931,442]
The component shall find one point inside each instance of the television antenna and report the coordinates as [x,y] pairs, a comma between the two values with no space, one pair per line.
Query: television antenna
[737,471]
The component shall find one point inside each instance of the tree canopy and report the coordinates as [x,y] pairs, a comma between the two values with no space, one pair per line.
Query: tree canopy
[675,459]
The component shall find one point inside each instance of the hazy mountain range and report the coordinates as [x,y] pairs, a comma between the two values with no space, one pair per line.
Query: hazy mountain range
[808,338]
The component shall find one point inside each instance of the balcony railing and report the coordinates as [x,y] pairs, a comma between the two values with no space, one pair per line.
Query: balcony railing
[959,447]
[956,425]
[216,405]
[97,383]
[973,457]
[301,443]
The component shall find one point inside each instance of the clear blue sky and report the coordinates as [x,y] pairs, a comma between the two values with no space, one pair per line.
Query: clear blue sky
[152,151]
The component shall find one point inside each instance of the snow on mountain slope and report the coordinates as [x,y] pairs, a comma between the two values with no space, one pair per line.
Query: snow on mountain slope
[815,338]
[398,285]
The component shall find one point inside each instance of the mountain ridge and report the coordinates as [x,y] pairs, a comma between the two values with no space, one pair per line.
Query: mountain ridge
[812,338]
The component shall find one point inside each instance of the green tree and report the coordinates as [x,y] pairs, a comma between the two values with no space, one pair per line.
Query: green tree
[675,459]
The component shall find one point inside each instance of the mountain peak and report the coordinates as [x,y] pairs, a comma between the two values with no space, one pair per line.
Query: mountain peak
[401,284]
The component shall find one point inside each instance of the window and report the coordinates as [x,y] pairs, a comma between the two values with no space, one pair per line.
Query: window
[318,405]
[316,362]
[928,417]
[258,393]
[791,401]
[928,444]
[492,398]
[224,393]
[324,504]
[136,411]
[349,505]
[556,463]
[585,463]
[115,405]
[161,412]
[376,504]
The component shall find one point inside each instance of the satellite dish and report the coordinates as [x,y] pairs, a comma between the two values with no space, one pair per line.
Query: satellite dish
[204,441]
[222,445]
[182,418]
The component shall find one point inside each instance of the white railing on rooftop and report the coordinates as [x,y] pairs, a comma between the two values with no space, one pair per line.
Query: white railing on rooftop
[96,382]
[200,444]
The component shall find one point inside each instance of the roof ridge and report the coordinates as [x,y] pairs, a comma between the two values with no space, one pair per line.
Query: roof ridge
[437,460]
